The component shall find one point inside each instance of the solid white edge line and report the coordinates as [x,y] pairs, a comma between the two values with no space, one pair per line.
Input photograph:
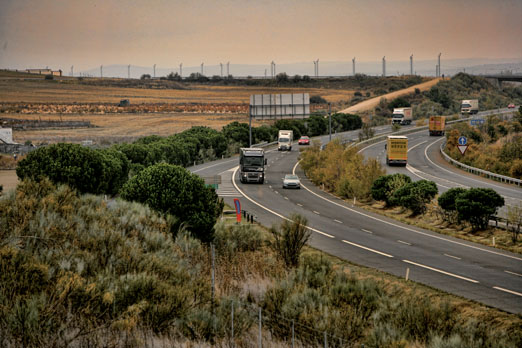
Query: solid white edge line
[520,275]
[414,146]
[508,291]
[366,248]
[441,271]
[406,228]
[271,211]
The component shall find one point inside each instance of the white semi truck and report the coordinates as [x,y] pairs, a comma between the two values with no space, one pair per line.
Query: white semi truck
[470,106]
[402,116]
[284,140]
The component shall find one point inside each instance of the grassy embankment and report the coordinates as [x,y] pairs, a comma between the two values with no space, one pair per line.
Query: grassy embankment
[79,270]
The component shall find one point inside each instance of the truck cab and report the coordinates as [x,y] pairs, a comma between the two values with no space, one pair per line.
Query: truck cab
[252,165]
[402,116]
[470,106]
[284,140]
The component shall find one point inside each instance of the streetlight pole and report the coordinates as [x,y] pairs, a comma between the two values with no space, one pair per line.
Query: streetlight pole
[330,119]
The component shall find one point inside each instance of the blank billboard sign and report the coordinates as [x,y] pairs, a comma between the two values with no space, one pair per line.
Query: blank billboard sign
[279,106]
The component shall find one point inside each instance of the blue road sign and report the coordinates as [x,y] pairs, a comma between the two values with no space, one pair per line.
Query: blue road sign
[463,140]
[476,122]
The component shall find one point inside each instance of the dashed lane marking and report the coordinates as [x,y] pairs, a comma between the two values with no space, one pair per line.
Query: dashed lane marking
[366,248]
[441,271]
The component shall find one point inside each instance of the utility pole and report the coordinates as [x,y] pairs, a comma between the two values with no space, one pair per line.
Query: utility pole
[154,68]
[181,70]
[353,66]
[221,65]
[101,71]
[439,64]
[411,64]
[317,75]
[330,119]
[201,69]
[228,71]
[315,68]
[384,66]
[128,71]
[265,74]
[72,70]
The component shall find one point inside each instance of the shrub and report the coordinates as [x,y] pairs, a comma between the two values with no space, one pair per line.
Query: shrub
[317,99]
[447,203]
[49,77]
[415,195]
[87,170]
[145,77]
[173,190]
[290,238]
[476,205]
[385,186]
[232,238]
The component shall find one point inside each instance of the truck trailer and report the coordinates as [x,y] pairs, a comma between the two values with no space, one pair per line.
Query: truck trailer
[437,125]
[284,140]
[469,107]
[402,116]
[252,165]
[396,150]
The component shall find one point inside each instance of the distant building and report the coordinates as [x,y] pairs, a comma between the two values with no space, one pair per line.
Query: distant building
[44,72]
[6,135]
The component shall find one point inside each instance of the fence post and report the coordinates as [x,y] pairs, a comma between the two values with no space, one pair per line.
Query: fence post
[293,334]
[232,333]
[260,342]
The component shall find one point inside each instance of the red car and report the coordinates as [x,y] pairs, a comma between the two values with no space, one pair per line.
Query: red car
[511,106]
[304,140]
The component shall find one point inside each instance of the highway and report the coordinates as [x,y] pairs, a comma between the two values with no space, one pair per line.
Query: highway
[487,275]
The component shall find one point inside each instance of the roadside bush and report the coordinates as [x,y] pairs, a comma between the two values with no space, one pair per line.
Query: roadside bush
[447,203]
[231,238]
[317,99]
[384,187]
[84,169]
[290,238]
[173,190]
[415,195]
[476,205]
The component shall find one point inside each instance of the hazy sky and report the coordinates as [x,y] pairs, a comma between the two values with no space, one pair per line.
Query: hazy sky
[88,33]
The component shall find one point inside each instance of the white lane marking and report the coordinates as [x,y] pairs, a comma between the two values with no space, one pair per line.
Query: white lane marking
[339,222]
[366,248]
[317,212]
[462,176]
[217,164]
[407,228]
[273,212]
[276,192]
[454,257]
[441,271]
[367,231]
[414,146]
[403,242]
[286,198]
[270,186]
[517,274]
[299,204]
[506,290]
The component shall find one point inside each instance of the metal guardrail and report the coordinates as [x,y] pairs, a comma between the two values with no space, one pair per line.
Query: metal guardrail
[470,169]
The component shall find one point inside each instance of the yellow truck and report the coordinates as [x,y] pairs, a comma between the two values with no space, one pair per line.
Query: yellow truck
[437,125]
[396,150]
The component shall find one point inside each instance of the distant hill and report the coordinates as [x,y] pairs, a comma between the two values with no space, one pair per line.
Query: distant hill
[424,68]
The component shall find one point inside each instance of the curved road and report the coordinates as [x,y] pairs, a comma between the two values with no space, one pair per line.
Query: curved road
[483,274]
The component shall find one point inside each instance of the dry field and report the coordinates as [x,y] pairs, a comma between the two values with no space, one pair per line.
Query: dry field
[153,111]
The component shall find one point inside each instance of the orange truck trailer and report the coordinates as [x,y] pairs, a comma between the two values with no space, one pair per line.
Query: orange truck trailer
[396,150]
[437,125]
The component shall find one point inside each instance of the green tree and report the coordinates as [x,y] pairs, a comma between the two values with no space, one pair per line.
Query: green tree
[447,203]
[416,195]
[237,132]
[476,205]
[173,190]
[399,102]
[84,169]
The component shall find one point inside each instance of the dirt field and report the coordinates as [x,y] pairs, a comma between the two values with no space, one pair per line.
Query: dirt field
[8,179]
[372,103]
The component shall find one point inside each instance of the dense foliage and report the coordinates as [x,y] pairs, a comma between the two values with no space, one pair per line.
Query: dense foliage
[383,188]
[495,146]
[173,190]
[474,205]
[86,170]
[416,195]
[341,169]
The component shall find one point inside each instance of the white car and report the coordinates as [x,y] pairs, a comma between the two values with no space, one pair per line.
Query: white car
[291,181]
